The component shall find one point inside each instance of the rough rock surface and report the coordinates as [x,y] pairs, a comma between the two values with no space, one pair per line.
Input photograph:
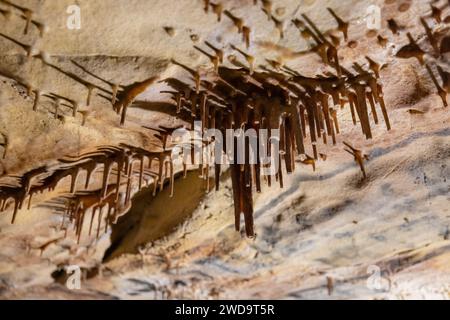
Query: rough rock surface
[386,236]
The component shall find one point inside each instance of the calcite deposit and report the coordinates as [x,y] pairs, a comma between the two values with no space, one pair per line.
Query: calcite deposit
[95,202]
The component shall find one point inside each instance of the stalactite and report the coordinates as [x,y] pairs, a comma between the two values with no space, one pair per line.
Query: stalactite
[206,5]
[362,110]
[393,26]
[441,92]
[309,161]
[26,14]
[327,51]
[217,8]
[165,133]
[358,156]
[115,90]
[382,41]
[37,95]
[4,144]
[445,76]
[375,67]
[411,50]
[369,96]
[335,40]
[219,52]
[214,59]
[445,45]
[57,103]
[250,59]
[267,8]
[279,25]
[322,120]
[195,75]
[238,22]
[129,94]
[40,26]
[333,113]
[342,25]
[26,48]
[246,36]
[430,36]
[6,13]
[436,13]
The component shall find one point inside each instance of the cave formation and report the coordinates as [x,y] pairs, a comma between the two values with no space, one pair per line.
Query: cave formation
[231,91]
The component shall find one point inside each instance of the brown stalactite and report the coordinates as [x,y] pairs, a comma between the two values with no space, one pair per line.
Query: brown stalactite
[382,41]
[309,161]
[26,48]
[250,59]
[441,92]
[445,76]
[393,26]
[378,95]
[217,8]
[359,157]
[430,36]
[375,67]
[342,25]
[4,144]
[219,52]
[411,50]
[267,8]
[37,96]
[445,45]
[436,13]
[129,94]
[362,107]
[26,14]
[85,200]
[246,31]
[214,59]
[369,96]
[206,5]
[333,113]
[238,22]
[279,26]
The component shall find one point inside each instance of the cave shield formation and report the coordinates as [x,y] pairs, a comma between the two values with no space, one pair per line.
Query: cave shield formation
[236,88]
